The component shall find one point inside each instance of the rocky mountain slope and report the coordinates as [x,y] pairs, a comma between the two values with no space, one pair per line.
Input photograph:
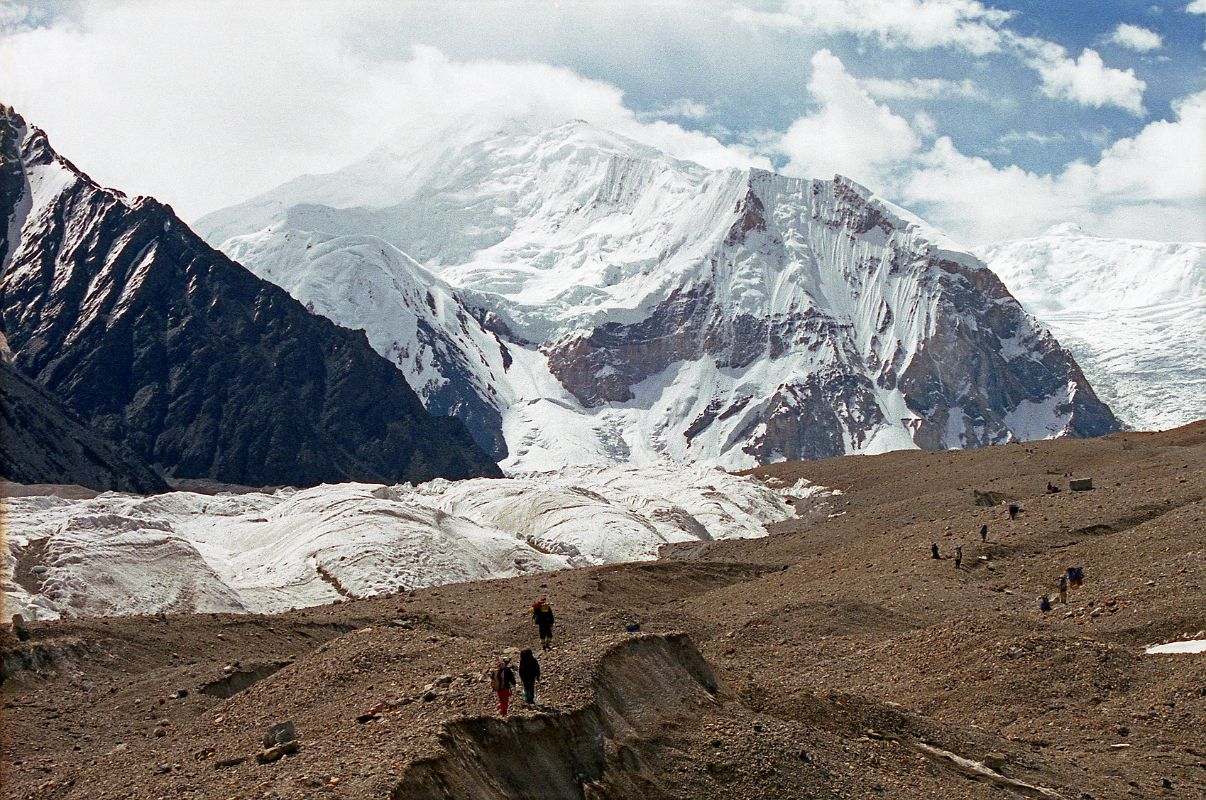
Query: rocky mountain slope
[43,442]
[1132,312]
[586,299]
[157,341]
[832,659]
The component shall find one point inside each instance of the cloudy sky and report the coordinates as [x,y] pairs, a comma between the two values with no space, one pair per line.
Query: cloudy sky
[993,120]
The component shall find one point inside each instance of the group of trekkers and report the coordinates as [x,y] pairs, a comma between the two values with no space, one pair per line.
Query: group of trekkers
[1073,577]
[502,677]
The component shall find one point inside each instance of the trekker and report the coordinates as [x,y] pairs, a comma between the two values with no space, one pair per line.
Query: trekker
[502,678]
[1063,589]
[984,532]
[529,673]
[1052,488]
[1014,510]
[1044,604]
[958,555]
[1076,576]
[934,550]
[542,615]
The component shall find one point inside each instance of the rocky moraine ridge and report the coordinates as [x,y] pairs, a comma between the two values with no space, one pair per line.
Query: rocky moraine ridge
[152,339]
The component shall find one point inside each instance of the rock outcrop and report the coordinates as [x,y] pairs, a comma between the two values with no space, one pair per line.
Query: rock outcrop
[43,442]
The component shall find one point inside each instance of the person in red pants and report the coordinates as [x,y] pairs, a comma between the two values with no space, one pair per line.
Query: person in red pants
[502,679]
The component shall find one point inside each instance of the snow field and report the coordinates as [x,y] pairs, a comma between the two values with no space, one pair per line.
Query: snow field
[1187,646]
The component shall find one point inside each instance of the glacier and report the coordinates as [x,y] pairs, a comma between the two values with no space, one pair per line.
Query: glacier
[1133,313]
[269,551]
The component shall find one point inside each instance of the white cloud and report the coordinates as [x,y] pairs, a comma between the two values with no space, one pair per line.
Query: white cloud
[925,124]
[1085,80]
[923,24]
[1196,7]
[921,88]
[969,26]
[1031,137]
[1148,186]
[682,108]
[849,134]
[204,105]
[766,19]
[1133,37]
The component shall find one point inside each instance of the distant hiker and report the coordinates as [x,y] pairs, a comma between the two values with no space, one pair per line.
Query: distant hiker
[1044,604]
[958,556]
[542,615]
[502,678]
[1063,589]
[1014,510]
[1076,576]
[934,550]
[984,533]
[529,673]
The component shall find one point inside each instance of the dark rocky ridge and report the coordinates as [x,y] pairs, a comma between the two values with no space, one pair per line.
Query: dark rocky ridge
[156,340]
[43,442]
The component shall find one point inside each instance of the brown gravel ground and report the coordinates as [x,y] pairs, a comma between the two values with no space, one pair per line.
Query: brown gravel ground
[833,659]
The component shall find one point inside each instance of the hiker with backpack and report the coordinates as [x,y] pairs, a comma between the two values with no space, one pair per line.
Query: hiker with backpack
[502,678]
[958,556]
[1044,604]
[984,532]
[529,673]
[934,550]
[1063,589]
[542,615]
[1014,510]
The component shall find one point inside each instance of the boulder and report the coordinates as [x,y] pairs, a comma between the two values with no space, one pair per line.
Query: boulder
[280,733]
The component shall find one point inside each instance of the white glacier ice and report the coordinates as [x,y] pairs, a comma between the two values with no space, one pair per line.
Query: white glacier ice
[270,551]
[1132,312]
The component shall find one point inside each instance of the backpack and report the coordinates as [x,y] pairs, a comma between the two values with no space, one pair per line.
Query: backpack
[496,679]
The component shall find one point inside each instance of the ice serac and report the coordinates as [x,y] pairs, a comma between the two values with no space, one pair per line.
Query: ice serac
[620,305]
[1132,312]
[157,341]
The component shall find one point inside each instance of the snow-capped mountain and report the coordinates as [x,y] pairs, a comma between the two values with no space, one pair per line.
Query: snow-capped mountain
[611,303]
[162,344]
[1132,312]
